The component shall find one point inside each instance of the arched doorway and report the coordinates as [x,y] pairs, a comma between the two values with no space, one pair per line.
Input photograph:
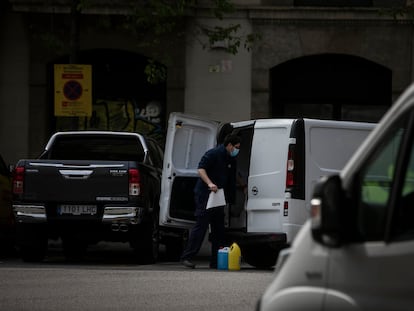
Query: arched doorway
[330,86]
[122,98]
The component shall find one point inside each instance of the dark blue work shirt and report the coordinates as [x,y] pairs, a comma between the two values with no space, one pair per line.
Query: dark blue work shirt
[221,169]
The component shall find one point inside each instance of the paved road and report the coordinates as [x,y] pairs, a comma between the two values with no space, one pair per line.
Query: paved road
[108,279]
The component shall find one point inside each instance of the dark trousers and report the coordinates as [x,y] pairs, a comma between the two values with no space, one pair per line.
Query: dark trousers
[215,217]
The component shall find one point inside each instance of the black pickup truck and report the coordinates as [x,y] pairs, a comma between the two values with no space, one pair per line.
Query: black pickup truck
[91,186]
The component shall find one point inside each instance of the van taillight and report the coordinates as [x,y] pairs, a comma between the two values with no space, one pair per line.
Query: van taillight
[290,167]
[134,181]
[18,179]
[286,209]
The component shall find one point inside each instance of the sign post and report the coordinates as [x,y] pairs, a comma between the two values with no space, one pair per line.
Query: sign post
[73,90]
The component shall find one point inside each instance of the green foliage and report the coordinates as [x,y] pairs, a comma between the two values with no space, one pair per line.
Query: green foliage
[154,22]
[251,39]
[53,42]
[156,16]
[229,38]
[158,19]
[82,4]
[399,11]
[156,73]
[221,7]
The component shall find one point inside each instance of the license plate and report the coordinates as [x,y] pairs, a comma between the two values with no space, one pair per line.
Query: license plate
[70,209]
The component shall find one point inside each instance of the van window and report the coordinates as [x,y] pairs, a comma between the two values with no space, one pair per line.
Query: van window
[376,181]
[323,139]
[271,142]
[190,143]
[404,215]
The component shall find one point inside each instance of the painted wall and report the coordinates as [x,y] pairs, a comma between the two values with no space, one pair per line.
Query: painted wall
[218,84]
[365,34]
[14,88]
[209,82]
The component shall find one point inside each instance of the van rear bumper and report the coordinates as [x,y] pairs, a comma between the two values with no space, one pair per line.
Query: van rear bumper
[273,240]
[259,249]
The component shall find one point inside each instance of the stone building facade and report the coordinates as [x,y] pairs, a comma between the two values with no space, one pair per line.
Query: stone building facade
[346,60]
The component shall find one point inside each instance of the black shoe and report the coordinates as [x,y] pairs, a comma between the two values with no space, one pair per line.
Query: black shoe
[188,264]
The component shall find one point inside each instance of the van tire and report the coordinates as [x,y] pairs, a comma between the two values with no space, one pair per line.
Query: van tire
[174,247]
[261,257]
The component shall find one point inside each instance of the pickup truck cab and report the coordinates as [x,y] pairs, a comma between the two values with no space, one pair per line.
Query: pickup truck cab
[357,250]
[86,187]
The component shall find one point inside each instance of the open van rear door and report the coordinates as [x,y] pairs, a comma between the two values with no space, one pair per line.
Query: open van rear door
[188,138]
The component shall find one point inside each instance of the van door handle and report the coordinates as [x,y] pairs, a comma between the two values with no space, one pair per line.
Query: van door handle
[255,191]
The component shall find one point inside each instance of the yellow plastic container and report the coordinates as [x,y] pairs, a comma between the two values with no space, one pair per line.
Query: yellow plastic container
[234,257]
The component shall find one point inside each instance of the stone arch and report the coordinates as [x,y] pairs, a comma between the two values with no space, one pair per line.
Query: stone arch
[330,86]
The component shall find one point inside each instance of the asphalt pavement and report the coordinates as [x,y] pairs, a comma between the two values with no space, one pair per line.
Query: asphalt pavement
[109,279]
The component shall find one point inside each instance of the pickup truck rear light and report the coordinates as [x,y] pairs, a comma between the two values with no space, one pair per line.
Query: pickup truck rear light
[134,182]
[18,180]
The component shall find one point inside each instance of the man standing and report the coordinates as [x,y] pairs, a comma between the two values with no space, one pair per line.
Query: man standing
[217,170]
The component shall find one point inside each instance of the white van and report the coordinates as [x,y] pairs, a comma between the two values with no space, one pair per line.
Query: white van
[357,250]
[280,160]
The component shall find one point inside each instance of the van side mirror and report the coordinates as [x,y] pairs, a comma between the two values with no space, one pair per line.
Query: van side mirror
[326,211]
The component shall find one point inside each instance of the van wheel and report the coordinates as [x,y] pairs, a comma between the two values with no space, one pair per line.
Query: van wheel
[174,247]
[260,257]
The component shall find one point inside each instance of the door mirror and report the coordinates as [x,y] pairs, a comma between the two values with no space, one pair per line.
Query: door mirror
[328,221]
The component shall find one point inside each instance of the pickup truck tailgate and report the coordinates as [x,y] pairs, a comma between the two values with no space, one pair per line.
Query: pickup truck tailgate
[66,180]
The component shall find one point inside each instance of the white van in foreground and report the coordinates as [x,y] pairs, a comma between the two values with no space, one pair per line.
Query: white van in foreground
[280,160]
[357,251]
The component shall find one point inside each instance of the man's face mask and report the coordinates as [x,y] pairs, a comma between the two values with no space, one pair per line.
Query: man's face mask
[234,152]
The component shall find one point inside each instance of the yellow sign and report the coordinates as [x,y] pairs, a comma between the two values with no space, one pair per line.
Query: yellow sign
[73,90]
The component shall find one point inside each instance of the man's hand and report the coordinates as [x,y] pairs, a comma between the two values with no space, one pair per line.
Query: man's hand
[203,174]
[212,187]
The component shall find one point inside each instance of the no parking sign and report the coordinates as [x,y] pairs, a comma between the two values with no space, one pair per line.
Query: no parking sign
[73,90]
